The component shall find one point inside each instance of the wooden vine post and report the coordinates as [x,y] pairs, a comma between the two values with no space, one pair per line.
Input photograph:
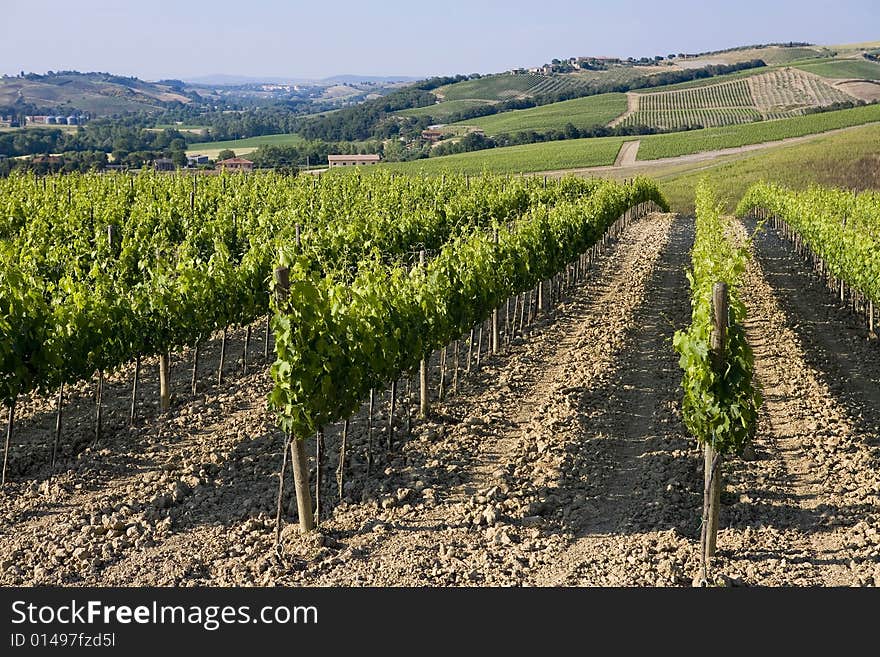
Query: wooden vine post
[495,337]
[712,464]
[99,405]
[164,387]
[58,409]
[10,421]
[298,458]
[134,389]
[423,368]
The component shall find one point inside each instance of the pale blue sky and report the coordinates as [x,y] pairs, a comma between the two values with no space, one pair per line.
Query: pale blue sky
[186,38]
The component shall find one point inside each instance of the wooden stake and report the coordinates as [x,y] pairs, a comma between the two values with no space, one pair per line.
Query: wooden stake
[300,464]
[164,387]
[134,389]
[266,341]
[495,337]
[195,372]
[495,340]
[319,467]
[58,407]
[408,404]
[440,389]
[281,490]
[370,429]
[223,355]
[712,459]
[423,367]
[9,424]
[479,344]
[470,352]
[99,393]
[507,319]
[392,402]
[340,476]
[455,367]
[247,343]
[424,404]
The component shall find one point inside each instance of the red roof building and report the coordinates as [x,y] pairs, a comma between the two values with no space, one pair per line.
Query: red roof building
[236,164]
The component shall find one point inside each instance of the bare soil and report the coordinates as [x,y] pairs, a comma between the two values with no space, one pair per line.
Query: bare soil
[562,460]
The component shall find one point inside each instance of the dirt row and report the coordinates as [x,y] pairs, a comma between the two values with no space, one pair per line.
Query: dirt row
[561,461]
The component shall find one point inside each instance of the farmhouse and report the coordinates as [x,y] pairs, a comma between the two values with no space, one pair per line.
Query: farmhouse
[47,159]
[163,164]
[351,160]
[432,135]
[235,164]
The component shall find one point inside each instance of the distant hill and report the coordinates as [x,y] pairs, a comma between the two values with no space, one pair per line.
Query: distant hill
[224,80]
[99,94]
[379,79]
[509,94]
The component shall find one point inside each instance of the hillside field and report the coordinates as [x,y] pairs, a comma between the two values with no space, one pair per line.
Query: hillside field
[581,112]
[844,68]
[243,146]
[580,153]
[847,159]
[442,111]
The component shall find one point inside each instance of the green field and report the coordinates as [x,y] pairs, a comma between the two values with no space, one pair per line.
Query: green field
[243,146]
[582,112]
[441,111]
[491,87]
[844,68]
[174,126]
[506,86]
[579,153]
[568,154]
[683,143]
[848,159]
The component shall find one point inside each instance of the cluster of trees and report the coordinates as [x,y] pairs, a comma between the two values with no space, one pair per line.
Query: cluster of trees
[66,163]
[840,105]
[475,141]
[754,46]
[104,135]
[373,119]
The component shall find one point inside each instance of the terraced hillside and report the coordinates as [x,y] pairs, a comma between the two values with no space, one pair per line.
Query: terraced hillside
[777,94]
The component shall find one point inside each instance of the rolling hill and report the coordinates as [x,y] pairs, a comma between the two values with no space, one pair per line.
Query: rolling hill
[582,153]
[99,94]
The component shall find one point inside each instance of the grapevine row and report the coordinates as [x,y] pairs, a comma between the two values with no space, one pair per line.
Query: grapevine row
[836,230]
[720,403]
[100,270]
[337,339]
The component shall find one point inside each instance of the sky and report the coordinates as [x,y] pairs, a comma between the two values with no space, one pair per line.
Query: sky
[154,39]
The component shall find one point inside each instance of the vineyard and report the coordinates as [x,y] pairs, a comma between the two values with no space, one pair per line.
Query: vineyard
[778,94]
[473,381]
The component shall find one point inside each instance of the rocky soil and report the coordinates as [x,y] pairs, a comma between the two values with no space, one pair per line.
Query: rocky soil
[562,460]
